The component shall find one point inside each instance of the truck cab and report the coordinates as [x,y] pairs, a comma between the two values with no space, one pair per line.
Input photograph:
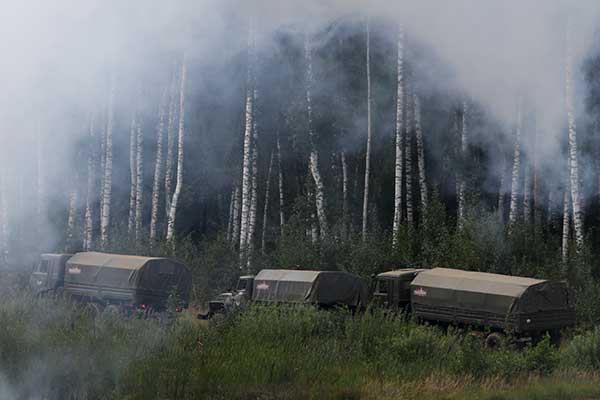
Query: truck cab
[226,301]
[48,273]
[392,288]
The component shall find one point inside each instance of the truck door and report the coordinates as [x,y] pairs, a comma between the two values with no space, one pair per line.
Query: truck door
[39,277]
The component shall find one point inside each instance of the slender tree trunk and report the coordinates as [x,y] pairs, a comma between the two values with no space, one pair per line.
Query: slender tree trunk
[573,158]
[314,154]
[399,162]
[102,167]
[107,180]
[516,168]
[420,155]
[132,176]
[369,138]
[139,184]
[235,229]
[266,209]
[537,206]
[180,154]
[254,184]
[314,232]
[281,199]
[462,184]
[345,218]
[566,224]
[70,235]
[501,190]
[228,235]
[89,196]
[408,157]
[527,195]
[170,158]
[158,166]
[246,163]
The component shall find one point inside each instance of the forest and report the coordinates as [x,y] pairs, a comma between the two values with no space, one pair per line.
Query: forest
[333,135]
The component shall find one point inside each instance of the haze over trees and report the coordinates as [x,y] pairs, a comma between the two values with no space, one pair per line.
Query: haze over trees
[350,142]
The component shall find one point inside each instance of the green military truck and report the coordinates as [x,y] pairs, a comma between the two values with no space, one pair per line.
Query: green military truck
[498,304]
[271,286]
[123,281]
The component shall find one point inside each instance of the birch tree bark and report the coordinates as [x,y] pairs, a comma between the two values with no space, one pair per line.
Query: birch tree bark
[70,235]
[170,157]
[314,154]
[228,235]
[139,182]
[537,206]
[420,155]
[527,195]
[235,229]
[281,198]
[566,224]
[266,209]
[180,154]
[253,183]
[408,157]
[132,176]
[369,138]
[573,157]
[89,196]
[108,169]
[516,168]
[345,213]
[158,167]
[399,156]
[501,190]
[462,185]
[246,163]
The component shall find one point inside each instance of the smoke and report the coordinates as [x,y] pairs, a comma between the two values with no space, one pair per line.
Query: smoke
[59,56]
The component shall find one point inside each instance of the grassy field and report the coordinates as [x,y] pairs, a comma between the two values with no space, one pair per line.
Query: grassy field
[52,349]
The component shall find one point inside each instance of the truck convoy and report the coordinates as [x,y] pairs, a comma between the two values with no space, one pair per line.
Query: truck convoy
[123,281]
[491,303]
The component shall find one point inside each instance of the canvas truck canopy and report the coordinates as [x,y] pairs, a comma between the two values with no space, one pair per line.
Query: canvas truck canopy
[484,297]
[401,274]
[318,287]
[126,278]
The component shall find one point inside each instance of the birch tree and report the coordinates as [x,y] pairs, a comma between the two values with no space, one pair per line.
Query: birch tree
[573,157]
[266,208]
[566,223]
[369,138]
[280,176]
[462,184]
[108,169]
[399,157]
[88,230]
[527,194]
[139,181]
[235,220]
[247,152]
[516,168]
[71,219]
[180,154]
[314,154]
[254,184]
[420,153]
[500,207]
[158,167]
[408,157]
[132,175]
[345,211]
[170,157]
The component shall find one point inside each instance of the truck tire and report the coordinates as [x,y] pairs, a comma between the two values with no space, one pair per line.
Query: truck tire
[494,341]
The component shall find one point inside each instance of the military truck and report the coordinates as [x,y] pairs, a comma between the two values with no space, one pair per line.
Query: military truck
[123,281]
[392,288]
[499,304]
[325,289]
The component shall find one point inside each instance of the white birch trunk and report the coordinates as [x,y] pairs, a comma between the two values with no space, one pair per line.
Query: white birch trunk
[573,158]
[89,196]
[158,168]
[408,156]
[462,185]
[246,162]
[235,229]
[107,180]
[230,219]
[314,155]
[501,190]
[399,155]
[180,154]
[420,155]
[527,195]
[70,234]
[345,217]
[139,182]
[516,168]
[170,158]
[102,165]
[369,139]
[566,225]
[281,198]
[132,176]
[254,185]
[266,209]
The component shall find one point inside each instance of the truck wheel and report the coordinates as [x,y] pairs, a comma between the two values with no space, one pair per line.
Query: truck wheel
[494,341]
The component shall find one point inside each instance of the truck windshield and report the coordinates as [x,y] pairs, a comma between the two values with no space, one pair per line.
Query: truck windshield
[382,286]
[241,284]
